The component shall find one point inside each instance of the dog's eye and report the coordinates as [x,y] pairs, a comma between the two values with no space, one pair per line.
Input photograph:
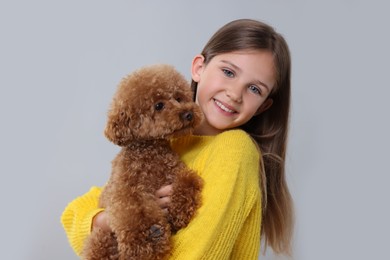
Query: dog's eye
[159,106]
[178,99]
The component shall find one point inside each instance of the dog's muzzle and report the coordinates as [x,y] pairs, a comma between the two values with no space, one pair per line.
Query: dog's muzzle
[187,116]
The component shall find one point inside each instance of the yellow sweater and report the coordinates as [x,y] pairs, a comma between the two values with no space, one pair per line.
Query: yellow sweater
[227,225]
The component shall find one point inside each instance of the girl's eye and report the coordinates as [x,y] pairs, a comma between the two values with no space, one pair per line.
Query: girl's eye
[228,73]
[159,106]
[254,89]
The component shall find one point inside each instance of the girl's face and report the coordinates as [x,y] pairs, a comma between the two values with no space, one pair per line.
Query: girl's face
[232,88]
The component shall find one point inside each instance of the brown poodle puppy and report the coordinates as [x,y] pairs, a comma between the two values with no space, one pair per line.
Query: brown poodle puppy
[151,106]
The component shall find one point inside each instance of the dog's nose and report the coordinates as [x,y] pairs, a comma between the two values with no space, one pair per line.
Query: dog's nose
[187,116]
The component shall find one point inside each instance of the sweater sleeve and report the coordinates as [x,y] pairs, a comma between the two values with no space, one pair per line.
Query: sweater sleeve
[245,246]
[230,216]
[77,218]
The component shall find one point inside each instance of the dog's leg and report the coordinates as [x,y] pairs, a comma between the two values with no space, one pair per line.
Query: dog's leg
[100,245]
[143,232]
[185,200]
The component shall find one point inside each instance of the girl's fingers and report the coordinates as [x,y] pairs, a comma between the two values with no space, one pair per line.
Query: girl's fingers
[164,191]
[163,202]
[163,197]
[101,221]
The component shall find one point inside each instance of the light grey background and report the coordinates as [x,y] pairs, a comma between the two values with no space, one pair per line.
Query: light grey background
[60,62]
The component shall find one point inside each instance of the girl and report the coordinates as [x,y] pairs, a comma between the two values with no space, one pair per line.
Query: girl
[241,82]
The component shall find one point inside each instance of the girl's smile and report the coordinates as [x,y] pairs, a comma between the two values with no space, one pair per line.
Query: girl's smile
[224,107]
[232,88]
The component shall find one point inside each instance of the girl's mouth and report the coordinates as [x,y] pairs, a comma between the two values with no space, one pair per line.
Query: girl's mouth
[223,107]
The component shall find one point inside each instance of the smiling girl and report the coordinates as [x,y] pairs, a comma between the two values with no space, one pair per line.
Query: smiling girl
[241,81]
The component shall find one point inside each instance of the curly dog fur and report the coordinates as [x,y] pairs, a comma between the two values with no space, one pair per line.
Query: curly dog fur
[151,106]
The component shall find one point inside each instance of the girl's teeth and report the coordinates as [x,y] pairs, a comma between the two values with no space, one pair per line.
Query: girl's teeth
[223,107]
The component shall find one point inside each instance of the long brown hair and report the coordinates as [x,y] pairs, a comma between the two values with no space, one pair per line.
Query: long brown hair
[270,128]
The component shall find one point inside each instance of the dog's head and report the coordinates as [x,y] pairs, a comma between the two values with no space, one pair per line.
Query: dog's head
[154,102]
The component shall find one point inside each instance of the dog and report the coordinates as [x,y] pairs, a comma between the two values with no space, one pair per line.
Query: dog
[150,107]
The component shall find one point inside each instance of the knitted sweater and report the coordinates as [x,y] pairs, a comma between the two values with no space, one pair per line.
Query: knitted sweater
[227,225]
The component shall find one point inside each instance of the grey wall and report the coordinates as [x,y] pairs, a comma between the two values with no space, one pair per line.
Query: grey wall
[60,63]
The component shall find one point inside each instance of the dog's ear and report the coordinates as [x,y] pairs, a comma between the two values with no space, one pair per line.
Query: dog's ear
[118,127]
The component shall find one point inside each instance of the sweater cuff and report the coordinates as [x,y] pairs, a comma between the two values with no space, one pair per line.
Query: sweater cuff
[84,230]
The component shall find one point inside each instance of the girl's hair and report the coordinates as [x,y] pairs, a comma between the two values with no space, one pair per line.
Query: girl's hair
[270,128]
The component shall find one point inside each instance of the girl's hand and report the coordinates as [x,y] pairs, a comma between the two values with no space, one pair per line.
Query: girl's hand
[163,198]
[101,220]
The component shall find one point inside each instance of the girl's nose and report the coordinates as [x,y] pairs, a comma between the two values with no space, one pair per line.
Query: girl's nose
[234,93]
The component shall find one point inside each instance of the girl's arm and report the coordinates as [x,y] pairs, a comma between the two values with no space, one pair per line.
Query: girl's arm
[77,218]
[228,222]
[83,214]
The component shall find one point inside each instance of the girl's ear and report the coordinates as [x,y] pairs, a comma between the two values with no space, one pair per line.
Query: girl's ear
[266,105]
[197,66]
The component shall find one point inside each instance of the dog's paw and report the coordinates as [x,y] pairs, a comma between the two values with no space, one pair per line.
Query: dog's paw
[155,233]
